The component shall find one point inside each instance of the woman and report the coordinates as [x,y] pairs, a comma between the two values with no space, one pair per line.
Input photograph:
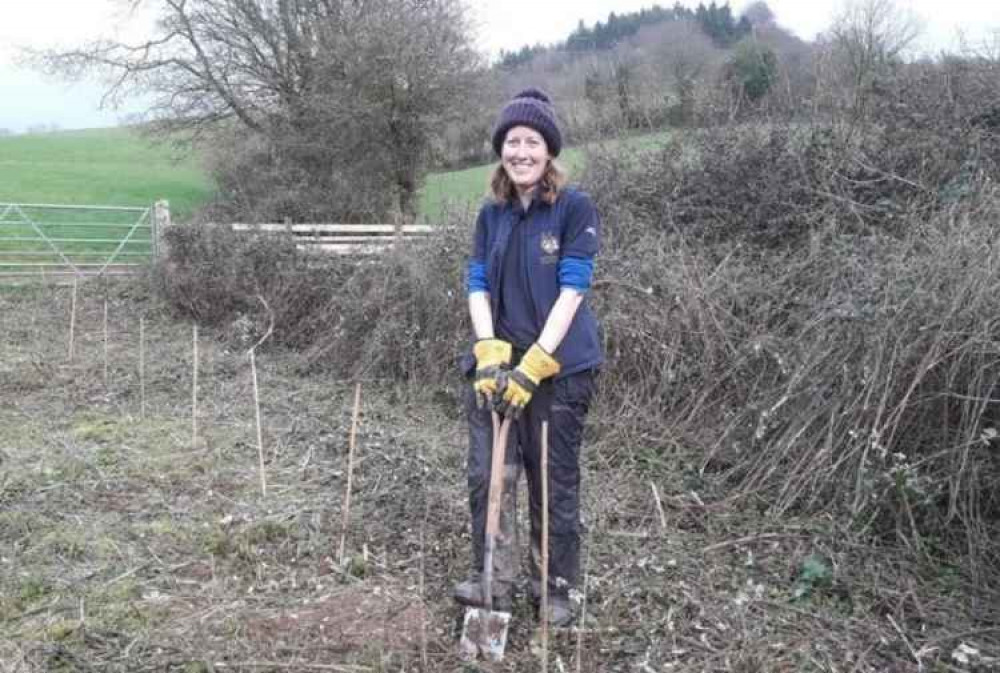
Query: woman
[536,350]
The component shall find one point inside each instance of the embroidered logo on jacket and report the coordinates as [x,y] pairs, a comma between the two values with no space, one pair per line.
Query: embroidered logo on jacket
[550,244]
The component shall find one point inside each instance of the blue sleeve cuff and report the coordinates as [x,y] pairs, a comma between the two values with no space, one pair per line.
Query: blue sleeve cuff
[476,280]
[576,273]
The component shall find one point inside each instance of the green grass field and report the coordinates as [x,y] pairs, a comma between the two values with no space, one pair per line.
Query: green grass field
[118,167]
[99,167]
[115,167]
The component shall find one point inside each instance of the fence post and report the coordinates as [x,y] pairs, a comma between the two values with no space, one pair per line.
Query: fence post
[161,220]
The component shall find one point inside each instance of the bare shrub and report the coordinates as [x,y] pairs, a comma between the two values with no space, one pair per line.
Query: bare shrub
[213,274]
[401,315]
[772,184]
[868,40]
[879,404]
[806,312]
[395,315]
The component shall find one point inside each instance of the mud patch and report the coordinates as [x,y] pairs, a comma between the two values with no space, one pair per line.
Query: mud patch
[350,619]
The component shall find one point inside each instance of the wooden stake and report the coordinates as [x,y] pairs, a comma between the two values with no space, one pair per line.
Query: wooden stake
[105,342]
[545,546]
[583,613]
[194,385]
[142,368]
[423,573]
[260,433]
[256,396]
[659,507]
[350,472]
[72,319]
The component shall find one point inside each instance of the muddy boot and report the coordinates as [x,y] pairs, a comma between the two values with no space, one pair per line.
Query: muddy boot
[560,607]
[470,592]
[560,612]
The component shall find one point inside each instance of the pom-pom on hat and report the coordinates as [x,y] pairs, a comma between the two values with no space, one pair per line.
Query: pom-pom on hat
[533,108]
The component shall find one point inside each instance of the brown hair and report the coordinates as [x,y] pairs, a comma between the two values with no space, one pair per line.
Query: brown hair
[553,180]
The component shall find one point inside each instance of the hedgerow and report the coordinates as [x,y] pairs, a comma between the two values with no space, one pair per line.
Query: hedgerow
[805,311]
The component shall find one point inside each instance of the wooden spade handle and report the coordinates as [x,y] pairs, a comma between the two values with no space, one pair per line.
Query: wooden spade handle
[499,454]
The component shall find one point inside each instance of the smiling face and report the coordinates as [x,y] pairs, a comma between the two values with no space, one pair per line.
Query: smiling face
[525,157]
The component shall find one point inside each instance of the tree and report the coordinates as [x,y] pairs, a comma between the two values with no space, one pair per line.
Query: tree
[514,59]
[869,38]
[686,56]
[718,23]
[751,70]
[619,27]
[344,95]
[758,13]
[594,88]
[623,72]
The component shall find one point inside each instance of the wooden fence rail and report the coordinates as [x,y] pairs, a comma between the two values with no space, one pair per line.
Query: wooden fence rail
[343,239]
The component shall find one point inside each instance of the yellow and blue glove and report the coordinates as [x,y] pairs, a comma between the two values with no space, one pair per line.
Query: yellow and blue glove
[492,362]
[519,385]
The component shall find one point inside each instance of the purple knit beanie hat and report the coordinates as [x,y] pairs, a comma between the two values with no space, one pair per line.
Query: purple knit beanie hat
[531,107]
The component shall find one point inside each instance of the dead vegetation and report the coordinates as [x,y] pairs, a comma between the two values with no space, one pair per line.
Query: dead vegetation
[128,549]
[792,464]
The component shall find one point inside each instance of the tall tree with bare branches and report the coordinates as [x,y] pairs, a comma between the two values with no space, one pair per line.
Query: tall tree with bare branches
[335,92]
[868,38]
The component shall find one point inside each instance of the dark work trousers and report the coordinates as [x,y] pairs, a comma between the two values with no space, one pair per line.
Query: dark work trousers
[564,403]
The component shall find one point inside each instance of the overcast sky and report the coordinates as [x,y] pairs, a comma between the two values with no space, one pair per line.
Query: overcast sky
[26,99]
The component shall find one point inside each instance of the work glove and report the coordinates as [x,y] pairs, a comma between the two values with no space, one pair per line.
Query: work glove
[492,360]
[519,385]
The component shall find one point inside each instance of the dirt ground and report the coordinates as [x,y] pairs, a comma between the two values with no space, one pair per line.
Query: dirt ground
[131,541]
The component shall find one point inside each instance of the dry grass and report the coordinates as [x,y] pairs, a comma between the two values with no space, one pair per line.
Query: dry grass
[127,549]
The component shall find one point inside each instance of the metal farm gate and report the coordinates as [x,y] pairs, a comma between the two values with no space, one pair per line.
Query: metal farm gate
[45,240]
